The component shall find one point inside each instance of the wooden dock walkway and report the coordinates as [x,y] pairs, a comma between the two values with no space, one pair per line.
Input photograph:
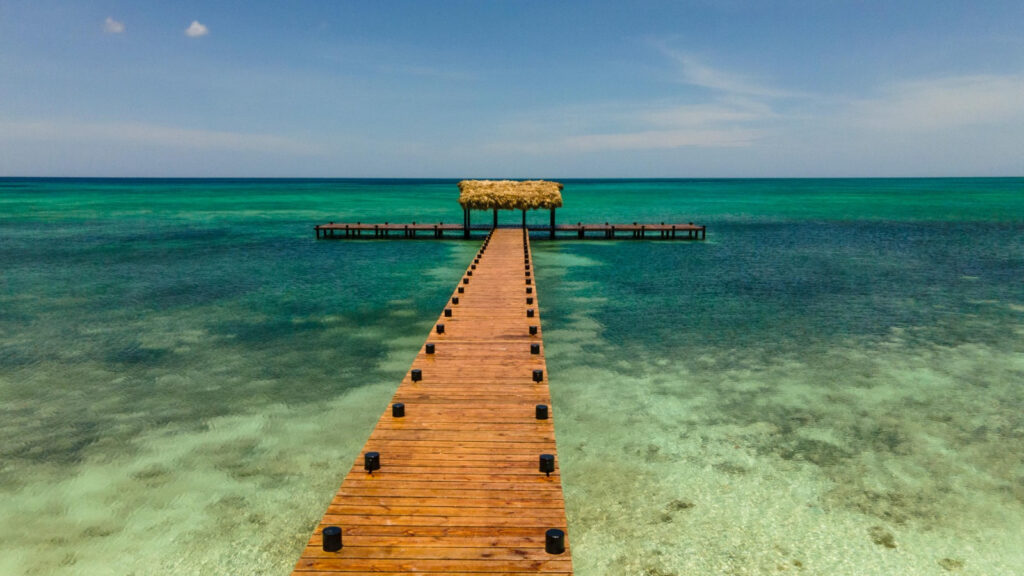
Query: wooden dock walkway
[460,489]
[353,230]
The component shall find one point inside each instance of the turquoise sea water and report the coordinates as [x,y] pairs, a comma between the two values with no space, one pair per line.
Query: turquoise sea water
[830,384]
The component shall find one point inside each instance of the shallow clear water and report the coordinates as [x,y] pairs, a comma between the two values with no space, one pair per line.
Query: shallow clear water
[830,384]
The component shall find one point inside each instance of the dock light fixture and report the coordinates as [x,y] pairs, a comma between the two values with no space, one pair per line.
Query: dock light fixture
[462,290]
[398,410]
[447,312]
[554,541]
[469,272]
[416,374]
[429,348]
[465,280]
[527,266]
[527,273]
[455,299]
[534,348]
[529,312]
[472,266]
[440,328]
[332,538]
[529,290]
[528,281]
[529,300]
[541,412]
[371,461]
[538,375]
[533,330]
[547,463]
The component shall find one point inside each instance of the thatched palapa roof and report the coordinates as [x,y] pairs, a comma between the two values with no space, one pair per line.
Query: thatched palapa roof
[510,194]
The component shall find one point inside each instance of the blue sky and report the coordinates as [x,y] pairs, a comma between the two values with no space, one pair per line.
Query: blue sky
[512,89]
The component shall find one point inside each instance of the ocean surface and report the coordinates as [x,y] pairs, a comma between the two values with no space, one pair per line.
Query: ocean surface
[831,384]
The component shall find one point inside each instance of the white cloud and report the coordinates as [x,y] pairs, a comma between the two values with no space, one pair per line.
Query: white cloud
[661,139]
[140,134]
[731,112]
[196,30]
[691,70]
[941,103]
[634,126]
[111,26]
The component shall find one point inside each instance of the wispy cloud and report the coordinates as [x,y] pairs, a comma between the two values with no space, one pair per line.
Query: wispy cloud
[196,30]
[661,139]
[730,111]
[150,135]
[634,126]
[939,104]
[111,26]
[726,109]
[691,70]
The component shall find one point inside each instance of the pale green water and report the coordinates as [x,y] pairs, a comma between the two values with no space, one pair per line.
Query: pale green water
[831,384]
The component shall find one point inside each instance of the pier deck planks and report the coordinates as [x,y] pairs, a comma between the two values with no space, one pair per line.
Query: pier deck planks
[580,230]
[459,491]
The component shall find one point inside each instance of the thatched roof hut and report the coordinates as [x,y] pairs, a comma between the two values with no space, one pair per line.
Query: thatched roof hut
[510,194]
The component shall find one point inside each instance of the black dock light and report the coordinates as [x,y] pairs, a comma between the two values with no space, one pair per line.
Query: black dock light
[554,541]
[472,266]
[462,290]
[371,461]
[465,280]
[538,375]
[398,410]
[534,348]
[533,330]
[440,328]
[527,266]
[547,463]
[529,300]
[527,273]
[469,272]
[455,299]
[447,312]
[529,312]
[529,290]
[429,348]
[542,412]
[417,375]
[332,538]
[476,261]
[528,281]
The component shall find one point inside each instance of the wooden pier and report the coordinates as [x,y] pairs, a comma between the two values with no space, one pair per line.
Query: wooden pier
[460,488]
[355,230]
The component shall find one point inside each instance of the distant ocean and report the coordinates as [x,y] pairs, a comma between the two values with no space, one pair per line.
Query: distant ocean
[832,383]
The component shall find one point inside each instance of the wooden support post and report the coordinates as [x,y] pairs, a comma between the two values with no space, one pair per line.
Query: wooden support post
[495,218]
[524,219]
[552,223]
[467,225]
